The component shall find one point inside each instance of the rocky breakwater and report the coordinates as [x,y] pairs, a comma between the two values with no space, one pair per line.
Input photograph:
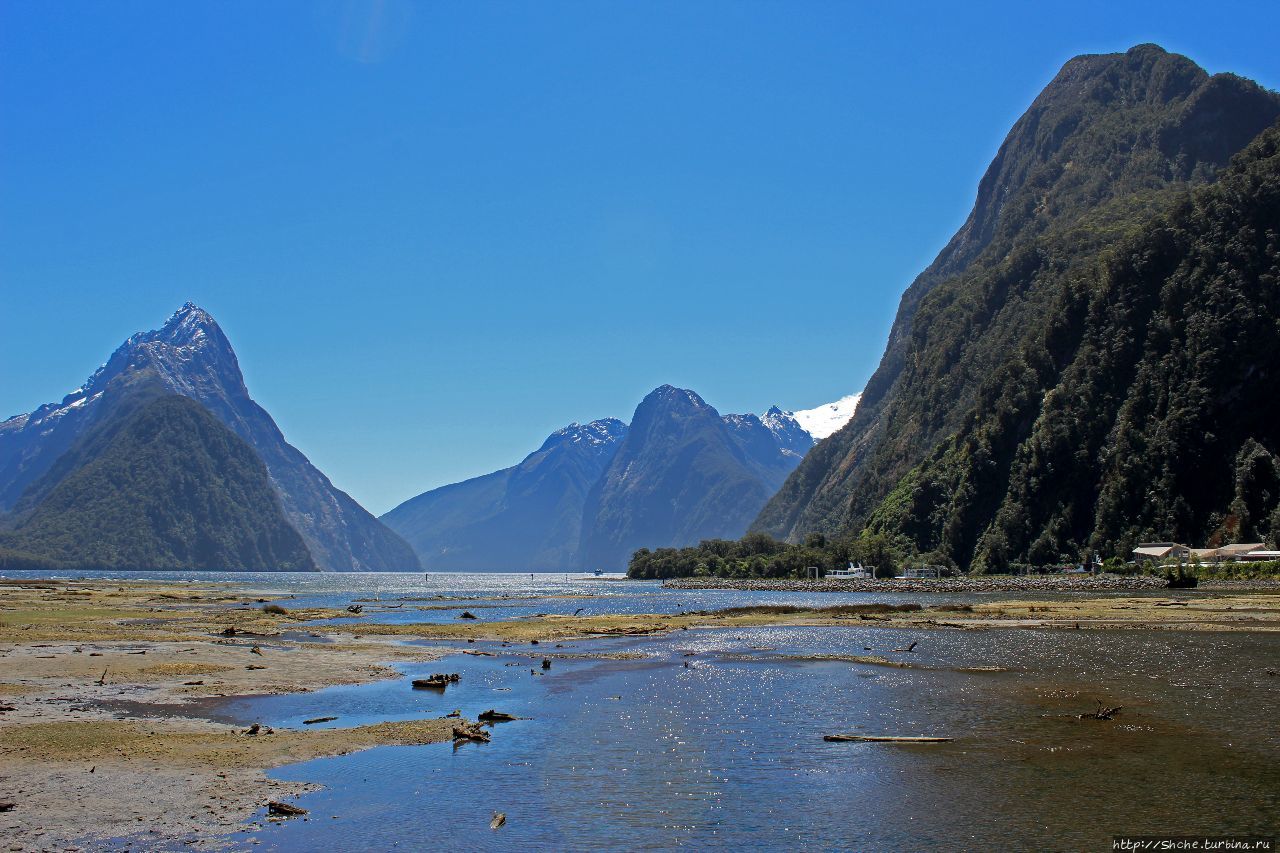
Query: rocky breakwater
[974,584]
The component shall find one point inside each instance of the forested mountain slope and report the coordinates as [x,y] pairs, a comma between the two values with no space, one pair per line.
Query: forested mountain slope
[1111,145]
[157,483]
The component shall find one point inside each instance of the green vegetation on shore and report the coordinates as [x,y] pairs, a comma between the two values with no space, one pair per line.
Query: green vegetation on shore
[758,555]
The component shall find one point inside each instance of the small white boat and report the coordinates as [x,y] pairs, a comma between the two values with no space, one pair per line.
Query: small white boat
[858,572]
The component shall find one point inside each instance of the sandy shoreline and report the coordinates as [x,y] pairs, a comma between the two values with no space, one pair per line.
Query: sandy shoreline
[95,743]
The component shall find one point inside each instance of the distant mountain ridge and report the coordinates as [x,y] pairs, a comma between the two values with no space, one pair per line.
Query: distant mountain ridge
[551,511]
[190,356]
[526,517]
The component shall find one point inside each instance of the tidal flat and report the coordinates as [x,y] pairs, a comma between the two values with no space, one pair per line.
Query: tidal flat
[128,706]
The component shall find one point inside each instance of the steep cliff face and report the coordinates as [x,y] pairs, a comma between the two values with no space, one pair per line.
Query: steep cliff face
[191,356]
[1140,409]
[524,518]
[1111,144]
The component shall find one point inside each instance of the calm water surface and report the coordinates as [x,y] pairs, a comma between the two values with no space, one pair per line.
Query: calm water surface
[728,752]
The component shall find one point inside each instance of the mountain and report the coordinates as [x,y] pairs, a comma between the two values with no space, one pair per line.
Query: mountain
[822,421]
[1022,375]
[190,356]
[682,474]
[541,515]
[156,482]
[772,445]
[527,517]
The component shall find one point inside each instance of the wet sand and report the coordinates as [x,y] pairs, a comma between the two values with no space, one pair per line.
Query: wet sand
[94,741]
[104,684]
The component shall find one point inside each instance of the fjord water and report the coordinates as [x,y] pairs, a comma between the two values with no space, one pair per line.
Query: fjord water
[651,747]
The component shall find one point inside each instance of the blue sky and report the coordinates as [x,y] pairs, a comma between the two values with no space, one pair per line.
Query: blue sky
[435,232]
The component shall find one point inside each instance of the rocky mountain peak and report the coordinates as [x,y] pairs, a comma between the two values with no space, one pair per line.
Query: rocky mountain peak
[597,434]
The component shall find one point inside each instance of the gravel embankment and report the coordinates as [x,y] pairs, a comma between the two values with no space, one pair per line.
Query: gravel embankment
[991,583]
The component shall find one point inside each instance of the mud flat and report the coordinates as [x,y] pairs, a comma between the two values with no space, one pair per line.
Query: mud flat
[97,680]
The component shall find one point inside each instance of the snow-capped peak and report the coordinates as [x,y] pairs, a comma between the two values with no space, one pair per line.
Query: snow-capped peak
[597,434]
[187,351]
[822,421]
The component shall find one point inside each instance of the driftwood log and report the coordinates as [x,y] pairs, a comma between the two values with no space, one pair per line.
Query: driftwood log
[492,716]
[1102,713]
[464,732]
[284,809]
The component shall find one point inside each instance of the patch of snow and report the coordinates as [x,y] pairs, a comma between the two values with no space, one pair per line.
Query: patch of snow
[822,421]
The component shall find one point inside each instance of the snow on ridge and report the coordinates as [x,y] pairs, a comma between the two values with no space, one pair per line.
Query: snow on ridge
[822,421]
[596,433]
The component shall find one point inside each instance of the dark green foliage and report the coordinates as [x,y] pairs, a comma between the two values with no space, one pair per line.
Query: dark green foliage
[1237,571]
[757,555]
[1141,408]
[160,484]
[1082,364]
[1254,515]
[15,560]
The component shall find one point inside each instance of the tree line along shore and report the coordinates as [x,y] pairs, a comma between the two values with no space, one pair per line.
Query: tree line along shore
[758,556]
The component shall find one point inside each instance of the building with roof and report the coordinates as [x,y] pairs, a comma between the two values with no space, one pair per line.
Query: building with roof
[1158,552]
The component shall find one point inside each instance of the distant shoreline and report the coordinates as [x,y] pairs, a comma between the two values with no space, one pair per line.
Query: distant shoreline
[985,583]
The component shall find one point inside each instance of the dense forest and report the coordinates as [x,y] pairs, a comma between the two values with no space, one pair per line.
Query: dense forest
[758,555]
[1143,408]
[1089,362]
